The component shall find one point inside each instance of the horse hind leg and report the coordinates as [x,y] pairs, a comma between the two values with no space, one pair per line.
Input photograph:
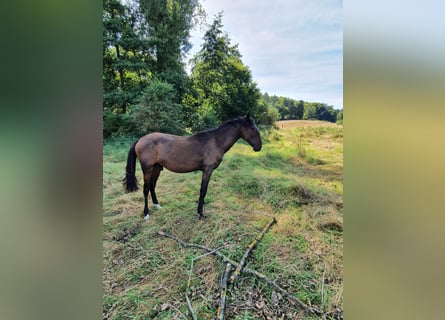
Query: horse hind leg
[154,178]
[147,178]
[146,190]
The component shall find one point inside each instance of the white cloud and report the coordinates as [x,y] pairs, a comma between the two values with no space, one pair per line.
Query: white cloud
[293,48]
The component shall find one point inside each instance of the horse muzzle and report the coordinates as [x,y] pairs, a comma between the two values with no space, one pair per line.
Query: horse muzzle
[257,148]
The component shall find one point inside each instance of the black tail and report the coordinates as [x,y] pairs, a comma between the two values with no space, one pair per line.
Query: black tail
[130,181]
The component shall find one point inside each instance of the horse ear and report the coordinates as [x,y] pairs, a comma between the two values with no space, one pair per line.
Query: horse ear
[248,116]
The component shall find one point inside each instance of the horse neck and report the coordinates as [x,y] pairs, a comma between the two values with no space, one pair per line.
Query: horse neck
[227,135]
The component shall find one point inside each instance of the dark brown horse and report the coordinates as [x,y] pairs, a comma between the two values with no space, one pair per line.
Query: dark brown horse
[203,151]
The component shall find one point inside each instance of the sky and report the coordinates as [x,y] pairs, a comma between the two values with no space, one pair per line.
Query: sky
[294,48]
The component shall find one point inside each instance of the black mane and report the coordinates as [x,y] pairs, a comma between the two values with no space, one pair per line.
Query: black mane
[223,125]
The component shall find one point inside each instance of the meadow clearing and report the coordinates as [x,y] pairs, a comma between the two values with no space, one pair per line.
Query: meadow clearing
[296,178]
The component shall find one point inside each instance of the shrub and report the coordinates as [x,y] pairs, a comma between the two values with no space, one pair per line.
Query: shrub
[157,110]
[116,125]
[110,123]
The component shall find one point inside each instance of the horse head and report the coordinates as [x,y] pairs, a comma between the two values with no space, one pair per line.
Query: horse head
[250,133]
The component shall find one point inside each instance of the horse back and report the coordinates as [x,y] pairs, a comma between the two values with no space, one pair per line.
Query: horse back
[176,153]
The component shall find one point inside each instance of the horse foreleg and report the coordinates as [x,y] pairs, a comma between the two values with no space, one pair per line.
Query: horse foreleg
[204,184]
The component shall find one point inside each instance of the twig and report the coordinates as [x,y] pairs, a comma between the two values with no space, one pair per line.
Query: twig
[222,302]
[189,304]
[284,292]
[245,269]
[177,310]
[197,258]
[249,249]
[169,305]
[322,285]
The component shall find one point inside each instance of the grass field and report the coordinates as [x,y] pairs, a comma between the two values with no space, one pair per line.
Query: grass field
[296,178]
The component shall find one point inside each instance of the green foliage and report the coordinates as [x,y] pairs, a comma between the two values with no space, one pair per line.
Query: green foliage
[206,117]
[168,28]
[310,112]
[157,110]
[290,109]
[110,123]
[117,124]
[221,85]
[126,64]
[340,117]
[145,40]
[269,116]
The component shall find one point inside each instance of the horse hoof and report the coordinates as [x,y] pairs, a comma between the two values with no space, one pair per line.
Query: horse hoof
[201,216]
[146,217]
[157,206]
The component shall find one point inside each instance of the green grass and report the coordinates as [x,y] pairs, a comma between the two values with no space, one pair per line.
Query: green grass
[297,177]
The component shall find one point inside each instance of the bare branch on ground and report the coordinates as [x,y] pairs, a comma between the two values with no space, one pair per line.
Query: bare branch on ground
[245,270]
[222,302]
[240,266]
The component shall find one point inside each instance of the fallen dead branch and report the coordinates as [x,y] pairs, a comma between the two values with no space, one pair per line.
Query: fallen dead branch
[245,270]
[240,266]
[222,301]
[189,303]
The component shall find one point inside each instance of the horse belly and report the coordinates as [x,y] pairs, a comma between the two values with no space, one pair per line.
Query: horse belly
[181,162]
[180,167]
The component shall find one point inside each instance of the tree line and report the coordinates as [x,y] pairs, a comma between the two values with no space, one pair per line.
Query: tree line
[291,109]
[146,86]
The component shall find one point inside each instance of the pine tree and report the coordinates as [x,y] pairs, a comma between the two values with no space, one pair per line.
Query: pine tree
[222,86]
